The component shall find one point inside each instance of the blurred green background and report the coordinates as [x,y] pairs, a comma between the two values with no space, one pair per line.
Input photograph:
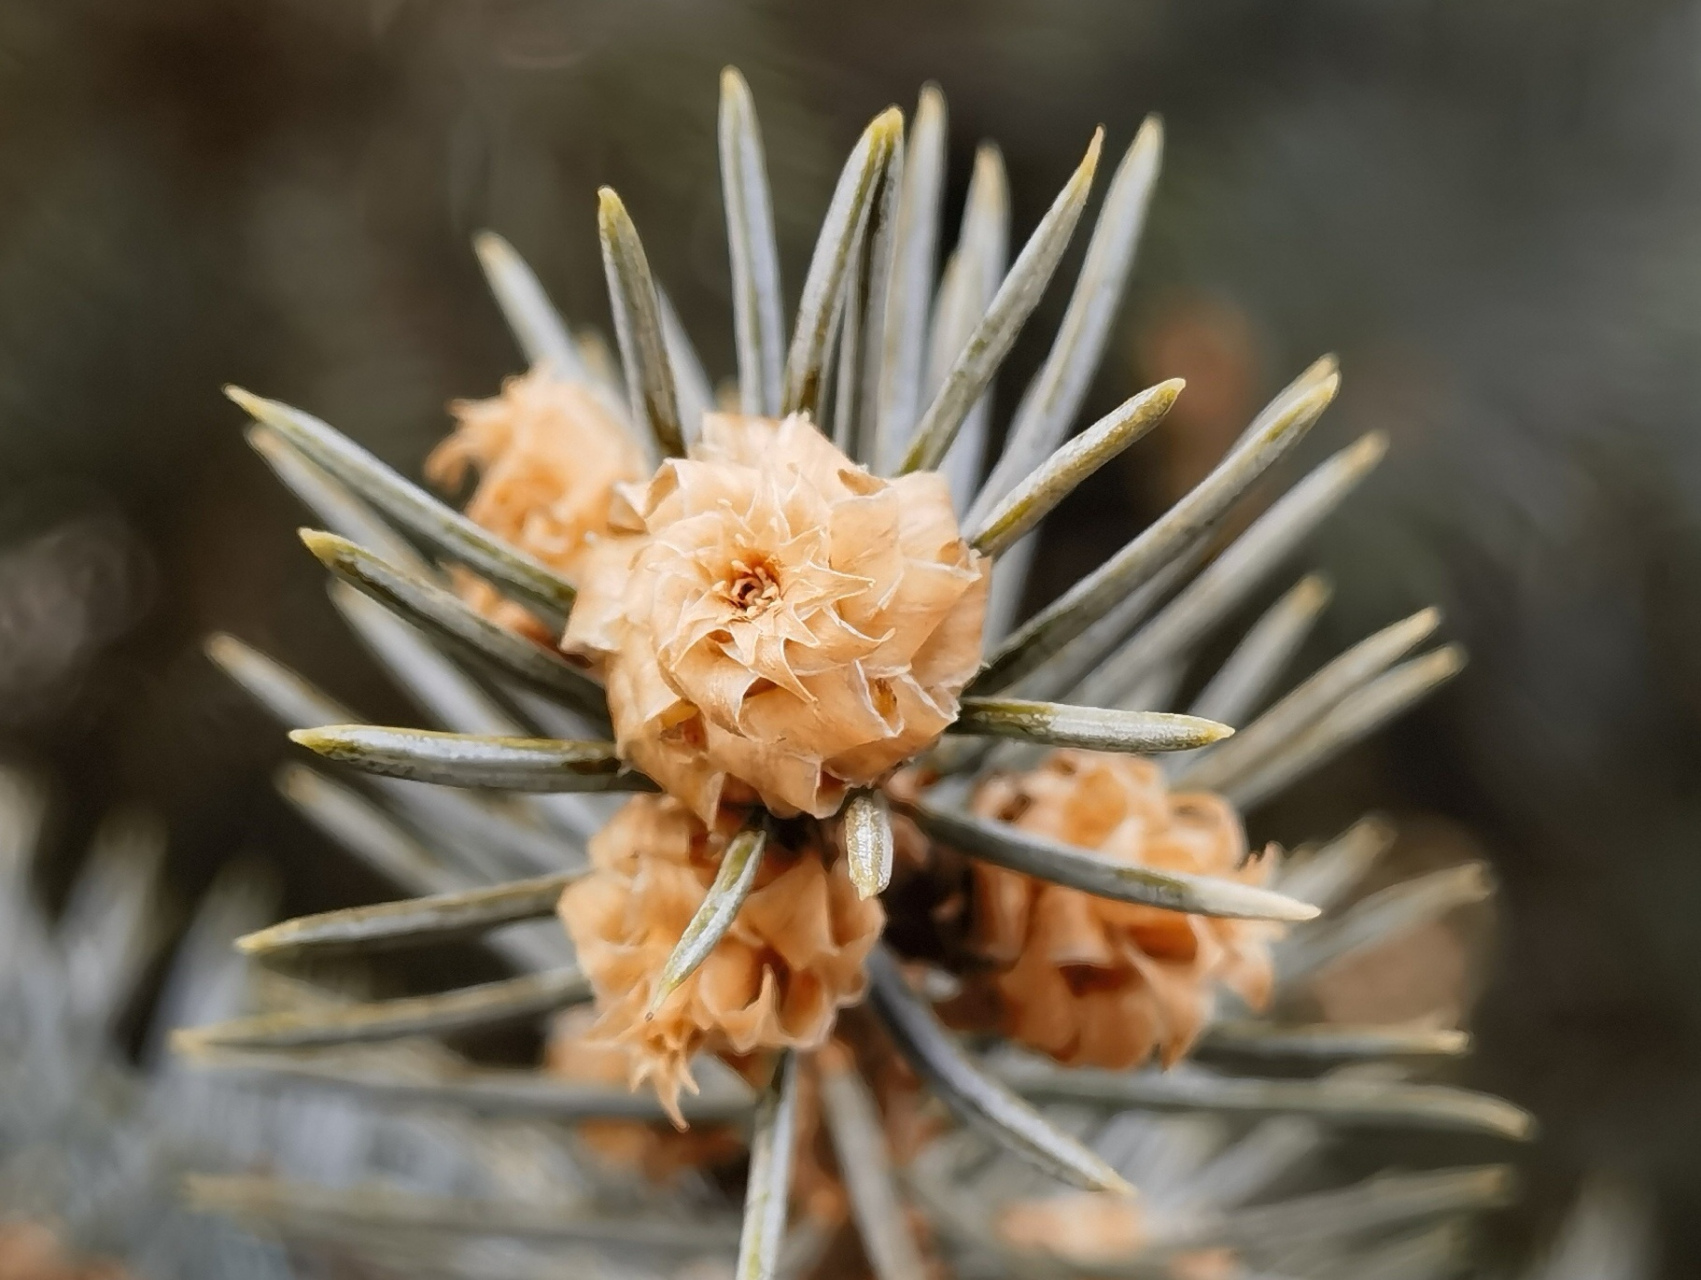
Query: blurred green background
[1492,211]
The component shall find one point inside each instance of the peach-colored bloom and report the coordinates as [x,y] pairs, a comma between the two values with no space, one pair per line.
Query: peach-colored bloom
[659,1152]
[781,623]
[1091,981]
[792,958]
[548,455]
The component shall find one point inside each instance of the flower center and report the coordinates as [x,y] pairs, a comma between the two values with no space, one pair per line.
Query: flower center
[752,585]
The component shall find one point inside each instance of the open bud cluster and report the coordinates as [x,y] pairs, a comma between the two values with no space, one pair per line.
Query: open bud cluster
[776,637]
[774,625]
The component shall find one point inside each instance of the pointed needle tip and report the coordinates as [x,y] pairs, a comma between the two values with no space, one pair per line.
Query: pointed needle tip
[1314,590]
[1165,393]
[324,546]
[1090,162]
[1119,1186]
[1370,448]
[247,400]
[887,127]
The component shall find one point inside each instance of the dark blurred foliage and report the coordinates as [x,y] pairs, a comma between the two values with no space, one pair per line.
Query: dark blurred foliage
[1492,211]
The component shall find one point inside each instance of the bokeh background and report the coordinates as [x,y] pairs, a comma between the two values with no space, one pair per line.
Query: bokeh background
[1492,211]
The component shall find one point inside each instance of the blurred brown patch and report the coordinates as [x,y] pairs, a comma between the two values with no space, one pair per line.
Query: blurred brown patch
[1212,343]
[1431,973]
[1419,976]
[32,1251]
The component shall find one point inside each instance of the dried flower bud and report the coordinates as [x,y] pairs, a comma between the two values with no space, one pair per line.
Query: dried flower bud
[548,455]
[780,618]
[793,956]
[1088,980]
[658,1152]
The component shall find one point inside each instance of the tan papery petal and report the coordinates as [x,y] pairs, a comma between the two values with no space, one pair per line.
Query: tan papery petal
[1094,982]
[813,625]
[549,457]
[791,959]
